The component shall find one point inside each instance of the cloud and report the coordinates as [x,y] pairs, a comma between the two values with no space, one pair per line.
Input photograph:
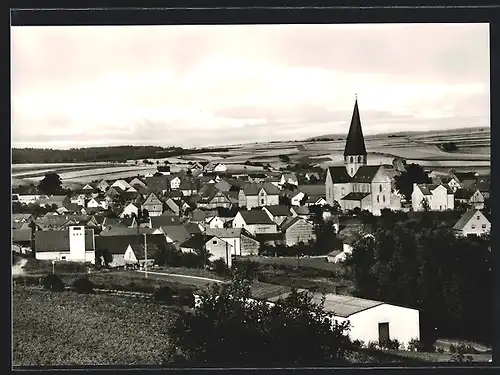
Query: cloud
[201,84]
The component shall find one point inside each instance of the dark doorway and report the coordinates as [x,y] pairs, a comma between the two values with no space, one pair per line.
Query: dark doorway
[383,333]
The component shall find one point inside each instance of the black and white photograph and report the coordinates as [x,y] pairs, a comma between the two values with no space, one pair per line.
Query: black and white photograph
[251,196]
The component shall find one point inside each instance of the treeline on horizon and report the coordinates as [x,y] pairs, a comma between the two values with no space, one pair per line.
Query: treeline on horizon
[119,154]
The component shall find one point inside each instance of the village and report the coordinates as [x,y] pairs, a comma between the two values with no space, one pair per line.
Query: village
[213,214]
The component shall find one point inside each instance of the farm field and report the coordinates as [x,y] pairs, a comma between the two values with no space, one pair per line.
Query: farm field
[317,263]
[66,328]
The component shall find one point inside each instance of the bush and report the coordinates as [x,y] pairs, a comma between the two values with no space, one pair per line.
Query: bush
[53,282]
[163,294]
[372,345]
[391,344]
[440,350]
[221,268]
[415,345]
[358,343]
[185,298]
[83,285]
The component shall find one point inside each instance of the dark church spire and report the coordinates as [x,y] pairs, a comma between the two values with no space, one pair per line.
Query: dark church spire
[355,144]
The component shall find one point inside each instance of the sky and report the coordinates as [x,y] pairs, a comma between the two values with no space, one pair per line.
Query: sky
[193,86]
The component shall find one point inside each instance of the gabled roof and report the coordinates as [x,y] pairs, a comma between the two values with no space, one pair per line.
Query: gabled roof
[201,215]
[278,210]
[355,144]
[58,240]
[152,199]
[290,176]
[316,190]
[288,223]
[126,231]
[464,193]
[118,244]
[228,232]
[466,217]
[339,175]
[301,210]
[159,221]
[252,217]
[263,237]
[197,241]
[177,233]
[366,173]
[465,176]
[192,228]
[254,189]
[345,306]
[427,189]
[355,196]
[21,217]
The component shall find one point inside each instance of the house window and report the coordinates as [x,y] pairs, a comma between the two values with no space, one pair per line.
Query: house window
[478,217]
[351,160]
[351,170]
[214,242]
[63,257]
[262,194]
[378,199]
[473,226]
[383,198]
[262,201]
[483,226]
[360,159]
[380,188]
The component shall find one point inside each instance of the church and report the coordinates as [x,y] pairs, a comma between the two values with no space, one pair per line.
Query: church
[357,184]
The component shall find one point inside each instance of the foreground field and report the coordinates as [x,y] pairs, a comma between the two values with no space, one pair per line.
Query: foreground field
[71,329]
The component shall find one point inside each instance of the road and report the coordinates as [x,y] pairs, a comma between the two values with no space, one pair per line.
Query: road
[183,279]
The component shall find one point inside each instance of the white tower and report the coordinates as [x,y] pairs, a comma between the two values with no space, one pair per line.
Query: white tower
[77,243]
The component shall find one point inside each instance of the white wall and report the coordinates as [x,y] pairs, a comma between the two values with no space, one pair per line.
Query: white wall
[77,243]
[297,198]
[404,323]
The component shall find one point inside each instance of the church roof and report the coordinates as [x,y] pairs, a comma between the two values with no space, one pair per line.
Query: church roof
[355,196]
[365,173]
[355,144]
[339,175]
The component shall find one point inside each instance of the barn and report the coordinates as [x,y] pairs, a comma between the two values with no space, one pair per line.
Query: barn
[373,321]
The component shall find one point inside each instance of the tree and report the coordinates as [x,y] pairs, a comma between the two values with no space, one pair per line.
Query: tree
[414,173]
[284,158]
[296,331]
[103,257]
[425,205]
[284,200]
[51,184]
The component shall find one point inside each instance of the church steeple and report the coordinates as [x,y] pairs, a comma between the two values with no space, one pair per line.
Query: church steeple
[355,152]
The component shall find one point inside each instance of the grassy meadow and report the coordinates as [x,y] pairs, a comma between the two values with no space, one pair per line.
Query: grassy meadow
[473,153]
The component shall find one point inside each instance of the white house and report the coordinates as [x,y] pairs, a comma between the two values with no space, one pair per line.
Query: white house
[338,256]
[217,247]
[92,203]
[30,199]
[289,178]
[220,168]
[102,185]
[472,222]
[74,243]
[218,222]
[243,243]
[439,197]
[297,198]
[255,222]
[175,183]
[258,195]
[373,321]
[130,209]
[277,213]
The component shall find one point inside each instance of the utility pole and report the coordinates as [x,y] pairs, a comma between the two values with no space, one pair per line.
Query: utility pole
[145,257]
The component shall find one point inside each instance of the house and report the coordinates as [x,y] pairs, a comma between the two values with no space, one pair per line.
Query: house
[118,246]
[22,238]
[309,194]
[216,199]
[159,221]
[297,230]
[153,205]
[217,247]
[192,228]
[71,244]
[112,192]
[472,222]
[122,231]
[122,184]
[465,177]
[473,198]
[21,218]
[372,321]
[451,181]
[220,167]
[338,256]
[126,222]
[223,185]
[258,178]
[483,185]
[255,221]
[275,180]
[277,213]
[312,176]
[188,188]
[438,197]
[172,206]
[301,211]
[242,242]
[158,184]
[130,210]
[58,200]
[136,181]
[102,185]
[289,178]
[201,216]
[218,222]
[258,195]
[29,198]
[175,182]
[92,203]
